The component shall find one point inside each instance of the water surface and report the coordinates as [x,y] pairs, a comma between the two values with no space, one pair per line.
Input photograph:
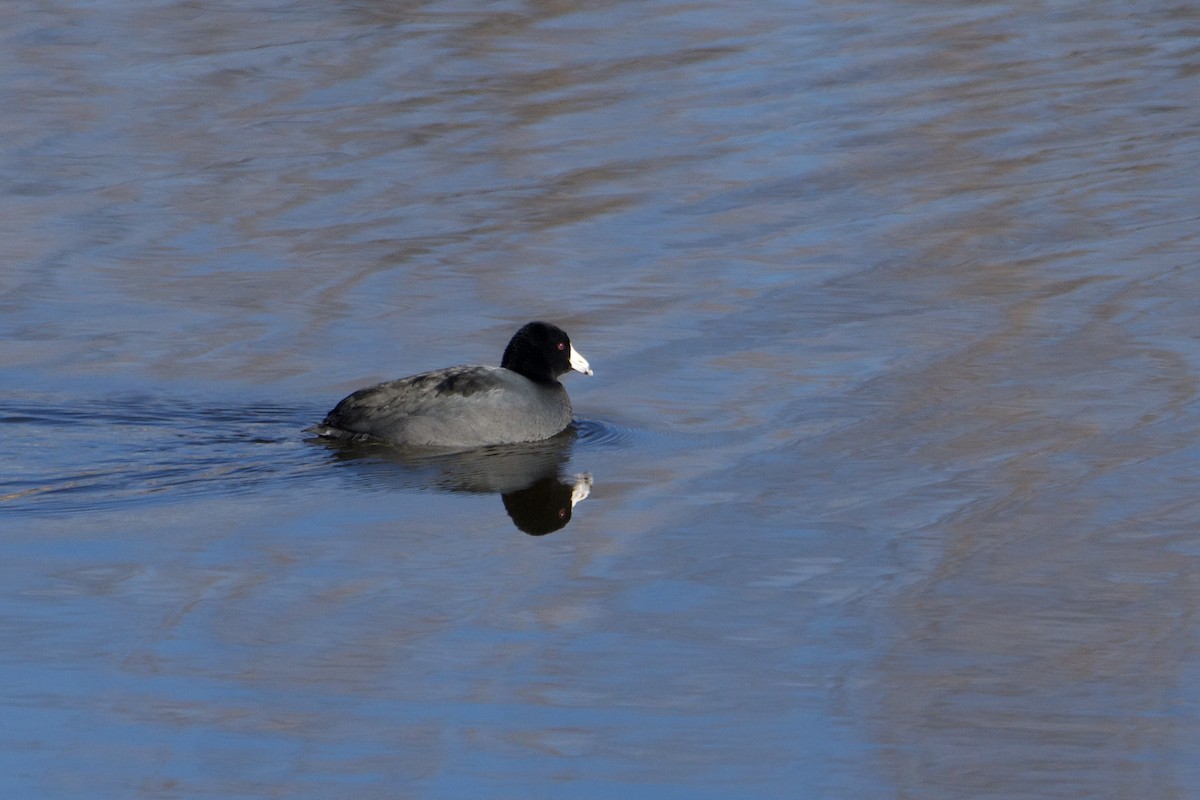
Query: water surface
[890,449]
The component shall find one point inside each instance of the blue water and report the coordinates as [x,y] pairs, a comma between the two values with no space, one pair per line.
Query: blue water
[883,487]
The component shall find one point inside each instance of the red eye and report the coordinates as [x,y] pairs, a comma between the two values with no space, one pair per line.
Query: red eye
[561,346]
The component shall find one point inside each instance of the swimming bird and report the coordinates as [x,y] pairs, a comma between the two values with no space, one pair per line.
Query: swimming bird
[468,406]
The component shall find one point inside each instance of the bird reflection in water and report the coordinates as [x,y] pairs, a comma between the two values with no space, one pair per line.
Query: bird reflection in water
[530,478]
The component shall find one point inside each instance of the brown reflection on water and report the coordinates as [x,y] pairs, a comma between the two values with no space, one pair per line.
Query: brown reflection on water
[1042,653]
[896,299]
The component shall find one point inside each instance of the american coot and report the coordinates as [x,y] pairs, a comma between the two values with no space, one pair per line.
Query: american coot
[470,406]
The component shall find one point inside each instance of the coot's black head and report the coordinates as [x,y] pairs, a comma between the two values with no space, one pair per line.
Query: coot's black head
[541,352]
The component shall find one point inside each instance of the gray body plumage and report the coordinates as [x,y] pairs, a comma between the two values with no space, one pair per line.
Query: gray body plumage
[458,407]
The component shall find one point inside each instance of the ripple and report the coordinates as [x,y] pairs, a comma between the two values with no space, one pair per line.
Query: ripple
[599,435]
[99,453]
